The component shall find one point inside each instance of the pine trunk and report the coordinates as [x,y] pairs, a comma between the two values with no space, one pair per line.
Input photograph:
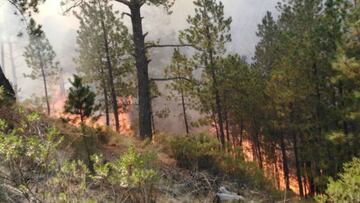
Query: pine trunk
[110,75]
[106,100]
[298,165]
[13,67]
[184,112]
[145,127]
[285,162]
[45,83]
[4,82]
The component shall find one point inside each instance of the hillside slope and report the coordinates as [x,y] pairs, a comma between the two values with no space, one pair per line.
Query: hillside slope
[47,160]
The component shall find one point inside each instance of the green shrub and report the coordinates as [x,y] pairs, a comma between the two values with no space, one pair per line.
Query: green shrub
[195,152]
[203,152]
[347,188]
[27,157]
[31,170]
[69,183]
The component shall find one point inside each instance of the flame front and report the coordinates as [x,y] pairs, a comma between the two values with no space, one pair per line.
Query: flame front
[125,108]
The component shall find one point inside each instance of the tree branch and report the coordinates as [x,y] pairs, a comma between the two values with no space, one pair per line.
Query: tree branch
[126,14]
[126,2]
[168,46]
[173,78]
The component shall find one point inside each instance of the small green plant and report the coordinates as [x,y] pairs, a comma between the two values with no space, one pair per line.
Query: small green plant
[347,188]
[27,157]
[69,184]
[137,172]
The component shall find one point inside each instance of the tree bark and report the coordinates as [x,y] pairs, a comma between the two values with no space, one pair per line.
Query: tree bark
[2,56]
[226,118]
[4,82]
[13,67]
[184,112]
[298,165]
[217,99]
[45,83]
[106,100]
[110,73]
[241,131]
[285,162]
[142,63]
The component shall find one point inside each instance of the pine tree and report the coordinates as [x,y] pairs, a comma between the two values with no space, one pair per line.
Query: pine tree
[40,57]
[104,48]
[81,100]
[81,103]
[181,71]
[208,32]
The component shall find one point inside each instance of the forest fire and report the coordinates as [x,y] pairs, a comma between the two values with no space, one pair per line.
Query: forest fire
[273,169]
[125,108]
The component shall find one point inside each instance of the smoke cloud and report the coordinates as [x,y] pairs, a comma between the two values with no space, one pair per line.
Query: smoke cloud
[61,31]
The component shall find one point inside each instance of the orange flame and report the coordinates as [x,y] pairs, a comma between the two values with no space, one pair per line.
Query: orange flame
[273,171]
[124,114]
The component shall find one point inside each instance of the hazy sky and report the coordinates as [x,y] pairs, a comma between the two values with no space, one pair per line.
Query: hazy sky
[61,30]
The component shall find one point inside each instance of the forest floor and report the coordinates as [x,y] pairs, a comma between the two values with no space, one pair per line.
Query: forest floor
[176,185]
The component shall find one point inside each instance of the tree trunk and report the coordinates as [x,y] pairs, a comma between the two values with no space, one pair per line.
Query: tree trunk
[296,150]
[2,57]
[241,131]
[285,162]
[226,123]
[45,83]
[213,117]
[86,145]
[4,83]
[256,143]
[13,67]
[152,122]
[210,65]
[217,100]
[106,100]
[142,63]
[275,163]
[184,112]
[312,189]
[298,165]
[110,72]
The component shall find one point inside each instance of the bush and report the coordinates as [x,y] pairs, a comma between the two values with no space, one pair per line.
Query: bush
[195,152]
[203,152]
[27,157]
[31,171]
[347,188]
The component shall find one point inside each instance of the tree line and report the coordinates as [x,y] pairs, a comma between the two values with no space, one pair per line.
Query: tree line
[296,100]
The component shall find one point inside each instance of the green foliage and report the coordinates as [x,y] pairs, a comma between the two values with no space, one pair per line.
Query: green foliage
[346,189]
[27,156]
[81,100]
[195,152]
[202,152]
[97,19]
[31,169]
[69,183]
[40,57]
[134,169]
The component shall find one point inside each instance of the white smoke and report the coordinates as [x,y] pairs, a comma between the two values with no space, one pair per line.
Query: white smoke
[61,31]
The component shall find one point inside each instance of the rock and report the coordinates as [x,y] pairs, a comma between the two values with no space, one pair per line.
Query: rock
[225,195]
